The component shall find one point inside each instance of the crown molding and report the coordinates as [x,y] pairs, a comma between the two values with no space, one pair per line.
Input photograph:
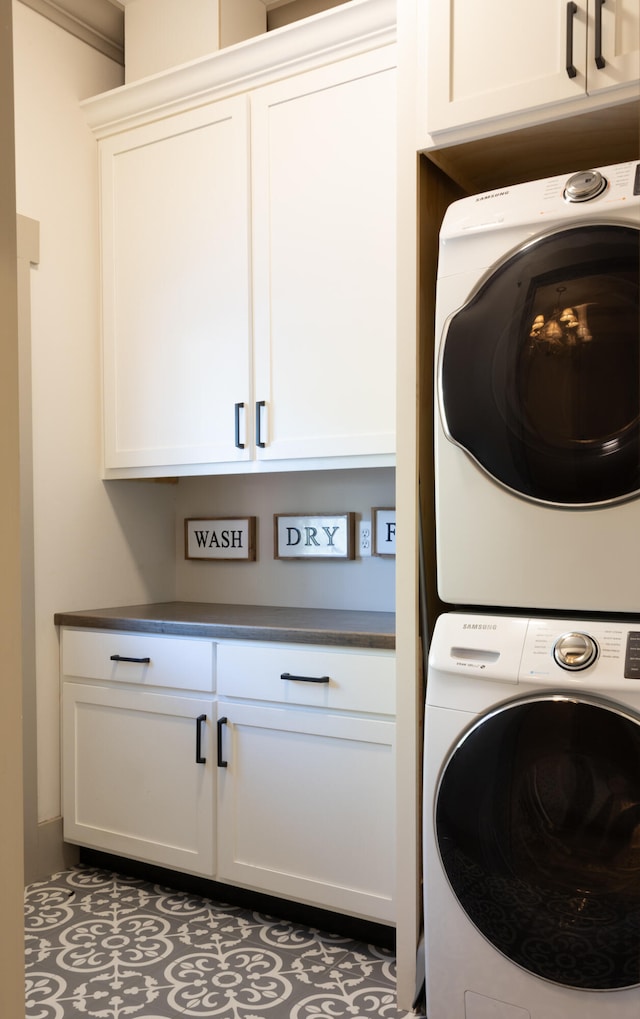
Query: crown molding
[100,23]
[321,39]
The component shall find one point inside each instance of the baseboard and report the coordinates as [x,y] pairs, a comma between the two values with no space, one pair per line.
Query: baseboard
[47,852]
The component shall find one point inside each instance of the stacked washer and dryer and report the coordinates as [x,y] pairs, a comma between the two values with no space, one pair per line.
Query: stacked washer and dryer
[532,722]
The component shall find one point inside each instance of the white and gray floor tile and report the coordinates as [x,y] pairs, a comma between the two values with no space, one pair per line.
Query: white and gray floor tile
[104,946]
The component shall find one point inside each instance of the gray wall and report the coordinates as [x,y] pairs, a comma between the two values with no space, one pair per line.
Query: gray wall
[367,583]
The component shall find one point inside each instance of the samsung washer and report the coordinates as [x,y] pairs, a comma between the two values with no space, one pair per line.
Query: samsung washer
[537,445]
[532,819]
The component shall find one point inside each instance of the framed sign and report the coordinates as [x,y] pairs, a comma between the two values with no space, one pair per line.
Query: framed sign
[383,525]
[220,538]
[314,536]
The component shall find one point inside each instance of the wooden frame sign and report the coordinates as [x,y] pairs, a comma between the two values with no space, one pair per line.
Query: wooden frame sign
[220,538]
[384,531]
[327,536]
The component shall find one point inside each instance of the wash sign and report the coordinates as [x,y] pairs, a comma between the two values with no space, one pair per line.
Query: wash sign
[220,538]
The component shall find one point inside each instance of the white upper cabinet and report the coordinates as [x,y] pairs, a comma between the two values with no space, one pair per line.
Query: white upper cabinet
[323,160]
[248,254]
[176,306]
[498,58]
[613,55]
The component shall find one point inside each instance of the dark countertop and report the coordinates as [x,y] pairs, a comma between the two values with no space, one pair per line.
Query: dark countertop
[333,627]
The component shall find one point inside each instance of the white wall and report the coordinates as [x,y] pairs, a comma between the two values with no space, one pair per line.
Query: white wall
[95,543]
[11,865]
[296,9]
[360,584]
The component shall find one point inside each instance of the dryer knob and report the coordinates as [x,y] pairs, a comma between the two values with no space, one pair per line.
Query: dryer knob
[581,187]
[575,651]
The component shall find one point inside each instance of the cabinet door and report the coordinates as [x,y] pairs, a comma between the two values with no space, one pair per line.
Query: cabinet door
[306,807]
[324,194]
[131,784]
[175,288]
[485,60]
[614,44]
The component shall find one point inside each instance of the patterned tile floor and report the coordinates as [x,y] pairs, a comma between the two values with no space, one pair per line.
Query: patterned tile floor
[104,946]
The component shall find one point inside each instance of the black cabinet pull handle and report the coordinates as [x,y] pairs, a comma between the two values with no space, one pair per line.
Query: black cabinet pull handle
[238,408]
[572,10]
[199,758]
[122,658]
[305,679]
[600,61]
[221,721]
[259,405]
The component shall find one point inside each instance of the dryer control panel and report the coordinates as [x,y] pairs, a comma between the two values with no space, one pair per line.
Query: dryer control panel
[585,185]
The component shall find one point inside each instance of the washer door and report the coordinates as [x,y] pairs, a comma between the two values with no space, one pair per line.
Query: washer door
[540,371]
[537,821]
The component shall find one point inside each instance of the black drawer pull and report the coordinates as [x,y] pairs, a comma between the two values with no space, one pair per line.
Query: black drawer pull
[259,441]
[221,721]
[199,758]
[572,10]
[599,59]
[122,658]
[238,408]
[305,679]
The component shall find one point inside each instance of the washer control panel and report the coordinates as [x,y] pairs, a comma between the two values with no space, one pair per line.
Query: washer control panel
[608,651]
[575,651]
[632,655]
[519,650]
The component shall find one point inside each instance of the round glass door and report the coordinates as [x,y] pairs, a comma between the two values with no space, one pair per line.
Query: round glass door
[540,371]
[538,827]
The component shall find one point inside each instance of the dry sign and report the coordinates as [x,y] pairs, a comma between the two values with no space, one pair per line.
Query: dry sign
[316,536]
[220,538]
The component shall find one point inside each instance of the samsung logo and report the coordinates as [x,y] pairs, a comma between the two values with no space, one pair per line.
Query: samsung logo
[479,626]
[493,194]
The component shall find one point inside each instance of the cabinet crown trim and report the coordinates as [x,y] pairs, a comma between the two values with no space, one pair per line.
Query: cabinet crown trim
[322,39]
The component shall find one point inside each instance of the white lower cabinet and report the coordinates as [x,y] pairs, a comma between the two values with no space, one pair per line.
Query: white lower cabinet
[138,754]
[305,807]
[132,783]
[306,777]
[293,796]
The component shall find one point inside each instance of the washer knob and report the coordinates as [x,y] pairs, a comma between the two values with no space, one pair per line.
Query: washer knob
[575,651]
[583,186]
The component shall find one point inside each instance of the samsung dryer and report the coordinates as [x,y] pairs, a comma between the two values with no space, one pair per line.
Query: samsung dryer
[532,819]
[537,432]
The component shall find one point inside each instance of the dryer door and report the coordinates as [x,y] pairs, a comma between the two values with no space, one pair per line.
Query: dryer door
[537,821]
[540,371]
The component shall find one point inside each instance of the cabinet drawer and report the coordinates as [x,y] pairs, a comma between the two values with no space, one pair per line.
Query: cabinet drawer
[178,662]
[351,680]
